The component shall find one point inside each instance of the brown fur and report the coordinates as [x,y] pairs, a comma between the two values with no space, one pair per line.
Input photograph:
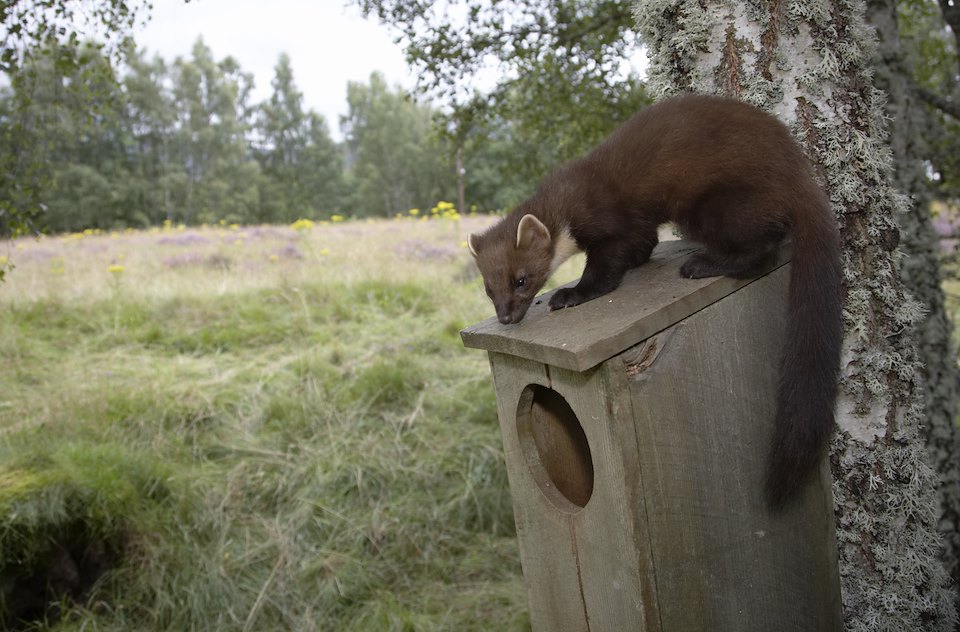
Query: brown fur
[731,177]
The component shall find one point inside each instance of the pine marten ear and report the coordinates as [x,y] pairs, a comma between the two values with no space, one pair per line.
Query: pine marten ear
[531,231]
[472,243]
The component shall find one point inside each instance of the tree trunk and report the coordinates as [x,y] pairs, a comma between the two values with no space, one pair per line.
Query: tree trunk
[920,269]
[461,193]
[809,63]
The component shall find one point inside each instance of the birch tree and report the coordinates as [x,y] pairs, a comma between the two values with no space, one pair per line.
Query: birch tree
[912,141]
[808,61]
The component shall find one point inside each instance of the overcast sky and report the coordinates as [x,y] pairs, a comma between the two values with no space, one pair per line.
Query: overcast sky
[329,44]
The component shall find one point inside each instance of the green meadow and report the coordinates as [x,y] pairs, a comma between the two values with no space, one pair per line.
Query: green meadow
[252,428]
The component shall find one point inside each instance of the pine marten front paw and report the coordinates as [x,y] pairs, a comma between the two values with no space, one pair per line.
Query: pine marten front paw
[565,297]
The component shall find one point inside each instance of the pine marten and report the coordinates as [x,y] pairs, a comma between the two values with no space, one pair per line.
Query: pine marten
[731,177]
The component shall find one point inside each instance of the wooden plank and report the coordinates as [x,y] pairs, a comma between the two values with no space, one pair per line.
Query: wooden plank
[618,582]
[650,299]
[546,550]
[703,403]
[589,567]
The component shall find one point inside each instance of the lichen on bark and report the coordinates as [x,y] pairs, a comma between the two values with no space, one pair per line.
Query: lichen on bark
[919,268]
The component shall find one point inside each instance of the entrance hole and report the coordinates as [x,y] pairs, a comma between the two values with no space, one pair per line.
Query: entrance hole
[555,447]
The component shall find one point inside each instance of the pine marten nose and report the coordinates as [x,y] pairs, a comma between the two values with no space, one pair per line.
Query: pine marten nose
[505,319]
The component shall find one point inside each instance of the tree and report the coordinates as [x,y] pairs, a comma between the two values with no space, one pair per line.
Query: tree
[71,132]
[34,24]
[571,53]
[281,128]
[545,50]
[321,168]
[303,165]
[151,119]
[215,177]
[810,63]
[563,80]
[165,143]
[178,142]
[397,162]
[502,166]
[57,27]
[928,37]
[903,71]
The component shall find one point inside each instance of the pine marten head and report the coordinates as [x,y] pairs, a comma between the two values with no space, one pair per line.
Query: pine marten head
[514,264]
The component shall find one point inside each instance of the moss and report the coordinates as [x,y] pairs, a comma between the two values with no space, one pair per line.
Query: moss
[68,513]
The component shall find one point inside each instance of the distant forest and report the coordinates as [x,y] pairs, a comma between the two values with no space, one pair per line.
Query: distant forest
[96,146]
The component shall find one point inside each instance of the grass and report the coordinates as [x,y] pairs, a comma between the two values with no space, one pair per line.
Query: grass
[251,428]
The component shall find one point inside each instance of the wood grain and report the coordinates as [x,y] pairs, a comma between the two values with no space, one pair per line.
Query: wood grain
[703,408]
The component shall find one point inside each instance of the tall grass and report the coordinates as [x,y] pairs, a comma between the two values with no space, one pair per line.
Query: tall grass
[251,429]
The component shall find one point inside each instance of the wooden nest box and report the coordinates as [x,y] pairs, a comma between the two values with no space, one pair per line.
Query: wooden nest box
[636,429]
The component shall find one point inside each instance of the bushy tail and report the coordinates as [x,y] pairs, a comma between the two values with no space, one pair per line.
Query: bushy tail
[811,355]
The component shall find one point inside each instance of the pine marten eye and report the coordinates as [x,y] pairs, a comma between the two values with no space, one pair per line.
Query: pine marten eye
[519,282]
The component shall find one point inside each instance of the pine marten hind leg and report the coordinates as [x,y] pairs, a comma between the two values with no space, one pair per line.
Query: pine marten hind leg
[738,265]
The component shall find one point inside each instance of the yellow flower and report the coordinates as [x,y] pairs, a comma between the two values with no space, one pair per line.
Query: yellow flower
[115,269]
[325,251]
[443,209]
[414,211]
[3,260]
[336,218]
[302,225]
[274,258]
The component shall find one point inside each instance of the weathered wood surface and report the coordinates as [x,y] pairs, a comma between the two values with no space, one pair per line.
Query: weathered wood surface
[702,399]
[585,568]
[650,298]
[674,535]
